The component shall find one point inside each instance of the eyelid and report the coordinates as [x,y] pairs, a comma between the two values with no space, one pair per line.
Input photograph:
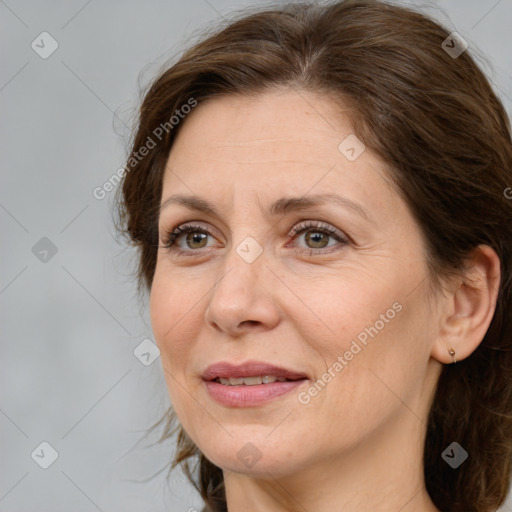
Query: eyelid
[183,227]
[301,226]
[321,226]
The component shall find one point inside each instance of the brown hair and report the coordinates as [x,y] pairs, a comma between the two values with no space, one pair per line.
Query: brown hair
[437,122]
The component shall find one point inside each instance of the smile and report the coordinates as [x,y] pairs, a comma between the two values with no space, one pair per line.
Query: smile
[249,381]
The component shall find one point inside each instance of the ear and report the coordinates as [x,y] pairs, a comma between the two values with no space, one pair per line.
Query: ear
[469,306]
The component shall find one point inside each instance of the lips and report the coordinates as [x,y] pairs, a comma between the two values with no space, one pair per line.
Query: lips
[252,384]
[226,370]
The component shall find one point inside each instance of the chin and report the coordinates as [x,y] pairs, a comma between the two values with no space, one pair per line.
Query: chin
[264,468]
[251,454]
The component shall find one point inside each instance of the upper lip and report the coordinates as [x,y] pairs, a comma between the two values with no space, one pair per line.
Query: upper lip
[225,370]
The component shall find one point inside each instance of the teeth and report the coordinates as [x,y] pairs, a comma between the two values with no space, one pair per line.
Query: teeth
[235,381]
[250,381]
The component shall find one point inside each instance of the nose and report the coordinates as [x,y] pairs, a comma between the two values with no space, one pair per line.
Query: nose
[243,297]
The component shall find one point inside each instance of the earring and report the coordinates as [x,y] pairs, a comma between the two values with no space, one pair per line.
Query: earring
[452,353]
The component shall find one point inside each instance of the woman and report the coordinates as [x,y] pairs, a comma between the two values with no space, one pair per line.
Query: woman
[318,194]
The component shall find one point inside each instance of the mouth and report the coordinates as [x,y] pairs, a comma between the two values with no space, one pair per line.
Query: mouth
[252,381]
[249,373]
[250,384]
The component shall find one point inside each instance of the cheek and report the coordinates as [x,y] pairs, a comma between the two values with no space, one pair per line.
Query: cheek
[172,306]
[384,357]
[333,311]
[372,324]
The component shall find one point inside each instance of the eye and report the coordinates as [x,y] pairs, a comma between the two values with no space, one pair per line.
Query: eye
[316,236]
[196,238]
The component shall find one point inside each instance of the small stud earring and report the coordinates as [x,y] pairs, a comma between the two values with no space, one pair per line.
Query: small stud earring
[452,353]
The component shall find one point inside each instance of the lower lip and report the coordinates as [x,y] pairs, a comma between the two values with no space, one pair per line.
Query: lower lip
[249,396]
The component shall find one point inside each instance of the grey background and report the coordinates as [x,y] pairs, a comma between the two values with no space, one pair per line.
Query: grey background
[70,324]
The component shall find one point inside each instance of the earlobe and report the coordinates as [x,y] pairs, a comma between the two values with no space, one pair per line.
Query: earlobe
[469,308]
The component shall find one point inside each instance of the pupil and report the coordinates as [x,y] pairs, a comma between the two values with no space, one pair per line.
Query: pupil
[196,238]
[316,238]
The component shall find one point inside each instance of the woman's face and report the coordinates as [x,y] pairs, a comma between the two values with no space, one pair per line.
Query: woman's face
[342,301]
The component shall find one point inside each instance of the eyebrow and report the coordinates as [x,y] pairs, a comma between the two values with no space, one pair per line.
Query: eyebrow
[280,207]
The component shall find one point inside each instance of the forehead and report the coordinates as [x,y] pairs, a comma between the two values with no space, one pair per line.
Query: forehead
[280,121]
[283,139]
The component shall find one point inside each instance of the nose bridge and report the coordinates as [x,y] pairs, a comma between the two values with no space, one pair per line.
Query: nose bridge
[242,267]
[239,294]
[245,255]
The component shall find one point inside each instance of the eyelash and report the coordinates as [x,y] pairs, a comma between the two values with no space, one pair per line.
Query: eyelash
[320,227]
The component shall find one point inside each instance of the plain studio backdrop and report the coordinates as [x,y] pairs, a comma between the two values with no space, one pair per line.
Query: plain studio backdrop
[75,370]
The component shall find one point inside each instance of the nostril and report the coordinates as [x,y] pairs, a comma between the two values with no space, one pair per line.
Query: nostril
[250,322]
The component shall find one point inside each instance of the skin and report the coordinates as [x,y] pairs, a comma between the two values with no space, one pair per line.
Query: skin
[358,444]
